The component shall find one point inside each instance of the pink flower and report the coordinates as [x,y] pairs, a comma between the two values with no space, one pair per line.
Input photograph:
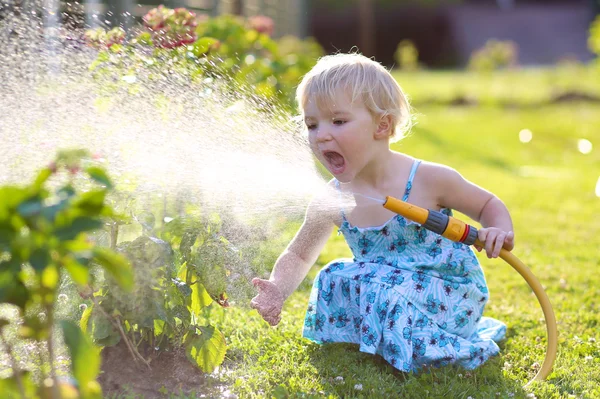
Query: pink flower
[171,28]
[262,24]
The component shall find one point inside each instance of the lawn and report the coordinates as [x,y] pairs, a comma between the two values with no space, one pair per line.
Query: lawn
[550,187]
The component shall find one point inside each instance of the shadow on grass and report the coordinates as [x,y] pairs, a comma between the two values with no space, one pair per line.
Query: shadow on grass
[347,372]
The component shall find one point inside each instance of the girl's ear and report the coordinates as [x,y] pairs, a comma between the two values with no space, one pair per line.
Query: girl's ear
[384,127]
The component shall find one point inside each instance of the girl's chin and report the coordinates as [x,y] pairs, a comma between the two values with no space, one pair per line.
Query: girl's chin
[342,176]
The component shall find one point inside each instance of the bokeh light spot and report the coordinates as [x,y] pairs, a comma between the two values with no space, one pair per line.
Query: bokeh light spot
[525,136]
[584,146]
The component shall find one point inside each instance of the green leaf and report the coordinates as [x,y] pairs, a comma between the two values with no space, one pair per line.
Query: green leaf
[78,272]
[183,288]
[50,212]
[206,350]
[66,192]
[91,202]
[99,175]
[12,290]
[159,326]
[85,358]
[30,207]
[111,340]
[50,277]
[39,259]
[203,45]
[101,327]
[117,265]
[42,177]
[10,388]
[85,318]
[77,226]
[200,298]
[10,197]
[7,234]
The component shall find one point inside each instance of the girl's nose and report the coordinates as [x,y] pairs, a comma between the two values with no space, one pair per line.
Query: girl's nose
[323,134]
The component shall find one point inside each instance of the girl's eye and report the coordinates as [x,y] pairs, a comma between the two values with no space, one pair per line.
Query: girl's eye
[339,122]
[311,127]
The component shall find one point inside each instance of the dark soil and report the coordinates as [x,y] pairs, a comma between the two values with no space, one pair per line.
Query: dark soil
[169,373]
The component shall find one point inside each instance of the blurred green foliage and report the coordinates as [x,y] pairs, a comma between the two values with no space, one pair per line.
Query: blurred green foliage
[495,54]
[44,230]
[239,50]
[407,56]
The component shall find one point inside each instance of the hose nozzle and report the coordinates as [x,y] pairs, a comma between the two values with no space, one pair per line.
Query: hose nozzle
[438,222]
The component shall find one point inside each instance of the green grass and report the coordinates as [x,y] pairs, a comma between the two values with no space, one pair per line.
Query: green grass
[549,187]
[524,86]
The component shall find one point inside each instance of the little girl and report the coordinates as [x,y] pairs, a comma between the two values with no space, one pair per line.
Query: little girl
[409,295]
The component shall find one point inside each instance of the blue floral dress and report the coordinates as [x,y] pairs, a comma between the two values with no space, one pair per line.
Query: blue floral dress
[408,294]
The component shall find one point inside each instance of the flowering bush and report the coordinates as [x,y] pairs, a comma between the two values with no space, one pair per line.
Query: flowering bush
[198,46]
[99,38]
[262,24]
[171,28]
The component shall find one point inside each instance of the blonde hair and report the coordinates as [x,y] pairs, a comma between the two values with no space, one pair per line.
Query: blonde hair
[365,80]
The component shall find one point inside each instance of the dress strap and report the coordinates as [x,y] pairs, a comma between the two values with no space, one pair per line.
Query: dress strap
[337,186]
[411,176]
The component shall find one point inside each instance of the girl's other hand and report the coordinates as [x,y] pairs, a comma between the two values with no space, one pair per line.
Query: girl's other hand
[494,239]
[268,302]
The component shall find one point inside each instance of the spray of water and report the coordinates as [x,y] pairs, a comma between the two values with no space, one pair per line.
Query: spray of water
[158,134]
[164,135]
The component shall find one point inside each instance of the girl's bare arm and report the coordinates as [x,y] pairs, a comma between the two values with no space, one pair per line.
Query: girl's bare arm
[455,192]
[302,252]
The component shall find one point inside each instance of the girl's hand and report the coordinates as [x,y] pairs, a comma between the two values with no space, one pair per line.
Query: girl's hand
[268,302]
[494,240]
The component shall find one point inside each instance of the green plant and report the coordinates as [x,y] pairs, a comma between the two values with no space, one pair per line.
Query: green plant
[43,236]
[238,50]
[175,290]
[496,54]
[594,40]
[407,55]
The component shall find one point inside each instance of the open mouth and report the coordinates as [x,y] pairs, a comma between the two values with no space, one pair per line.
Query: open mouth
[337,163]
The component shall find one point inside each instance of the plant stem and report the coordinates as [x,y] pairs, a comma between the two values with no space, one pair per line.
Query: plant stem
[14,364]
[50,313]
[133,348]
[117,324]
[114,235]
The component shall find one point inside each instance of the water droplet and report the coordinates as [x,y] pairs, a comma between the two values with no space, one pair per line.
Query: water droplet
[249,59]
[525,136]
[272,80]
[584,146]
[129,78]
